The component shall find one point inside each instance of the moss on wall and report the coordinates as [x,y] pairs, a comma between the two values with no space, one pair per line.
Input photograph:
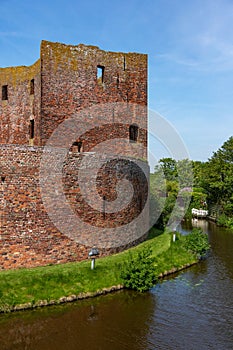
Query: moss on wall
[16,75]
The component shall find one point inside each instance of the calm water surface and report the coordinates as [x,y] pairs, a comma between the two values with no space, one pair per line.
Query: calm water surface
[193,310]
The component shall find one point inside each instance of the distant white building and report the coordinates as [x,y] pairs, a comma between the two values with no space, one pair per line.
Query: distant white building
[199,213]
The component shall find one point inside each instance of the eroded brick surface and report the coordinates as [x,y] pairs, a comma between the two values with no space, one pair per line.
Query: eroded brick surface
[66,86]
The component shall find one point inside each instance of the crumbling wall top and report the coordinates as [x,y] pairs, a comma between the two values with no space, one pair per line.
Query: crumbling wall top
[69,53]
[18,74]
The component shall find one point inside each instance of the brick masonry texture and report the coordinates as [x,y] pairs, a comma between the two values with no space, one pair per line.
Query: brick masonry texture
[66,86]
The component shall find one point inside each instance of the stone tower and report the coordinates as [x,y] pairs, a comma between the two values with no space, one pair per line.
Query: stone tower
[68,81]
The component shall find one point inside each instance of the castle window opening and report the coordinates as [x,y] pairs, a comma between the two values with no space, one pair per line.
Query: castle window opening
[133,133]
[104,207]
[4,92]
[67,80]
[32,84]
[118,81]
[100,73]
[32,129]
[77,146]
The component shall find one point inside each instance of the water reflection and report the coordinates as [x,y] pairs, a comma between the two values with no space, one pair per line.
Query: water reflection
[201,298]
[221,240]
[192,313]
[109,322]
[192,310]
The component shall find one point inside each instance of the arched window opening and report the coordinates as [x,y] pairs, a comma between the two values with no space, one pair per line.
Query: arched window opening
[133,133]
[77,146]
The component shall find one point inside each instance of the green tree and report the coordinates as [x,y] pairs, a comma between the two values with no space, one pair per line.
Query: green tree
[218,177]
[212,184]
[168,166]
[199,198]
[172,178]
[197,242]
[138,272]
[198,173]
[185,173]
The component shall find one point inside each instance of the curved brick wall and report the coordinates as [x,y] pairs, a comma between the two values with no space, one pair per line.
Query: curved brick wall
[100,111]
[27,235]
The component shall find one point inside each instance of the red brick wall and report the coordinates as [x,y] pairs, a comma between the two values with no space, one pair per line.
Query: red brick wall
[21,106]
[66,85]
[70,85]
[27,235]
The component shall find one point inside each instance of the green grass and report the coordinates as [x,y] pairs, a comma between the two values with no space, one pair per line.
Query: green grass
[52,282]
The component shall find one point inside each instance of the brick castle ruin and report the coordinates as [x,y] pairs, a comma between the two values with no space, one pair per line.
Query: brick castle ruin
[69,81]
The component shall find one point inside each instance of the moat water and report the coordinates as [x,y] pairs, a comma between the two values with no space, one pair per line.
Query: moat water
[192,310]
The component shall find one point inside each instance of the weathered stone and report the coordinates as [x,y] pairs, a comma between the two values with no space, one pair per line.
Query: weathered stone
[60,84]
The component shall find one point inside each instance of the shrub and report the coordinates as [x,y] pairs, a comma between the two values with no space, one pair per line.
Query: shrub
[138,272]
[197,242]
[222,220]
[225,221]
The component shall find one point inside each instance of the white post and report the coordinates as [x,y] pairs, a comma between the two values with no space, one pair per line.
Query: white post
[92,263]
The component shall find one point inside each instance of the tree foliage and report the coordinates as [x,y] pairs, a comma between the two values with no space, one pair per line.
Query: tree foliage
[197,242]
[168,166]
[174,180]
[218,178]
[138,271]
[211,184]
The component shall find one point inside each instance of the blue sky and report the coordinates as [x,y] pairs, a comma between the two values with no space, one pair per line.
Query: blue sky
[189,45]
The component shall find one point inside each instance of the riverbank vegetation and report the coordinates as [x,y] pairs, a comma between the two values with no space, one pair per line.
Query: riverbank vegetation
[138,271]
[158,254]
[209,185]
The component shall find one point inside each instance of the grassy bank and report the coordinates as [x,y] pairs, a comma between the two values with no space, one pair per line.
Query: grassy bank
[53,282]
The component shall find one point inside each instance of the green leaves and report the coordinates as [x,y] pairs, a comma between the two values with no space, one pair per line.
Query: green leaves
[138,271]
[197,242]
[218,178]
[171,185]
[168,166]
[211,183]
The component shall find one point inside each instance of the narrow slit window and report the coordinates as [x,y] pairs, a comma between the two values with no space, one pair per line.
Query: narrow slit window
[100,73]
[117,81]
[124,64]
[79,145]
[32,129]
[4,92]
[133,133]
[32,84]
[104,207]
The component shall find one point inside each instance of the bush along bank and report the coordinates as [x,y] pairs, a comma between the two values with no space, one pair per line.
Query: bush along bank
[137,268]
